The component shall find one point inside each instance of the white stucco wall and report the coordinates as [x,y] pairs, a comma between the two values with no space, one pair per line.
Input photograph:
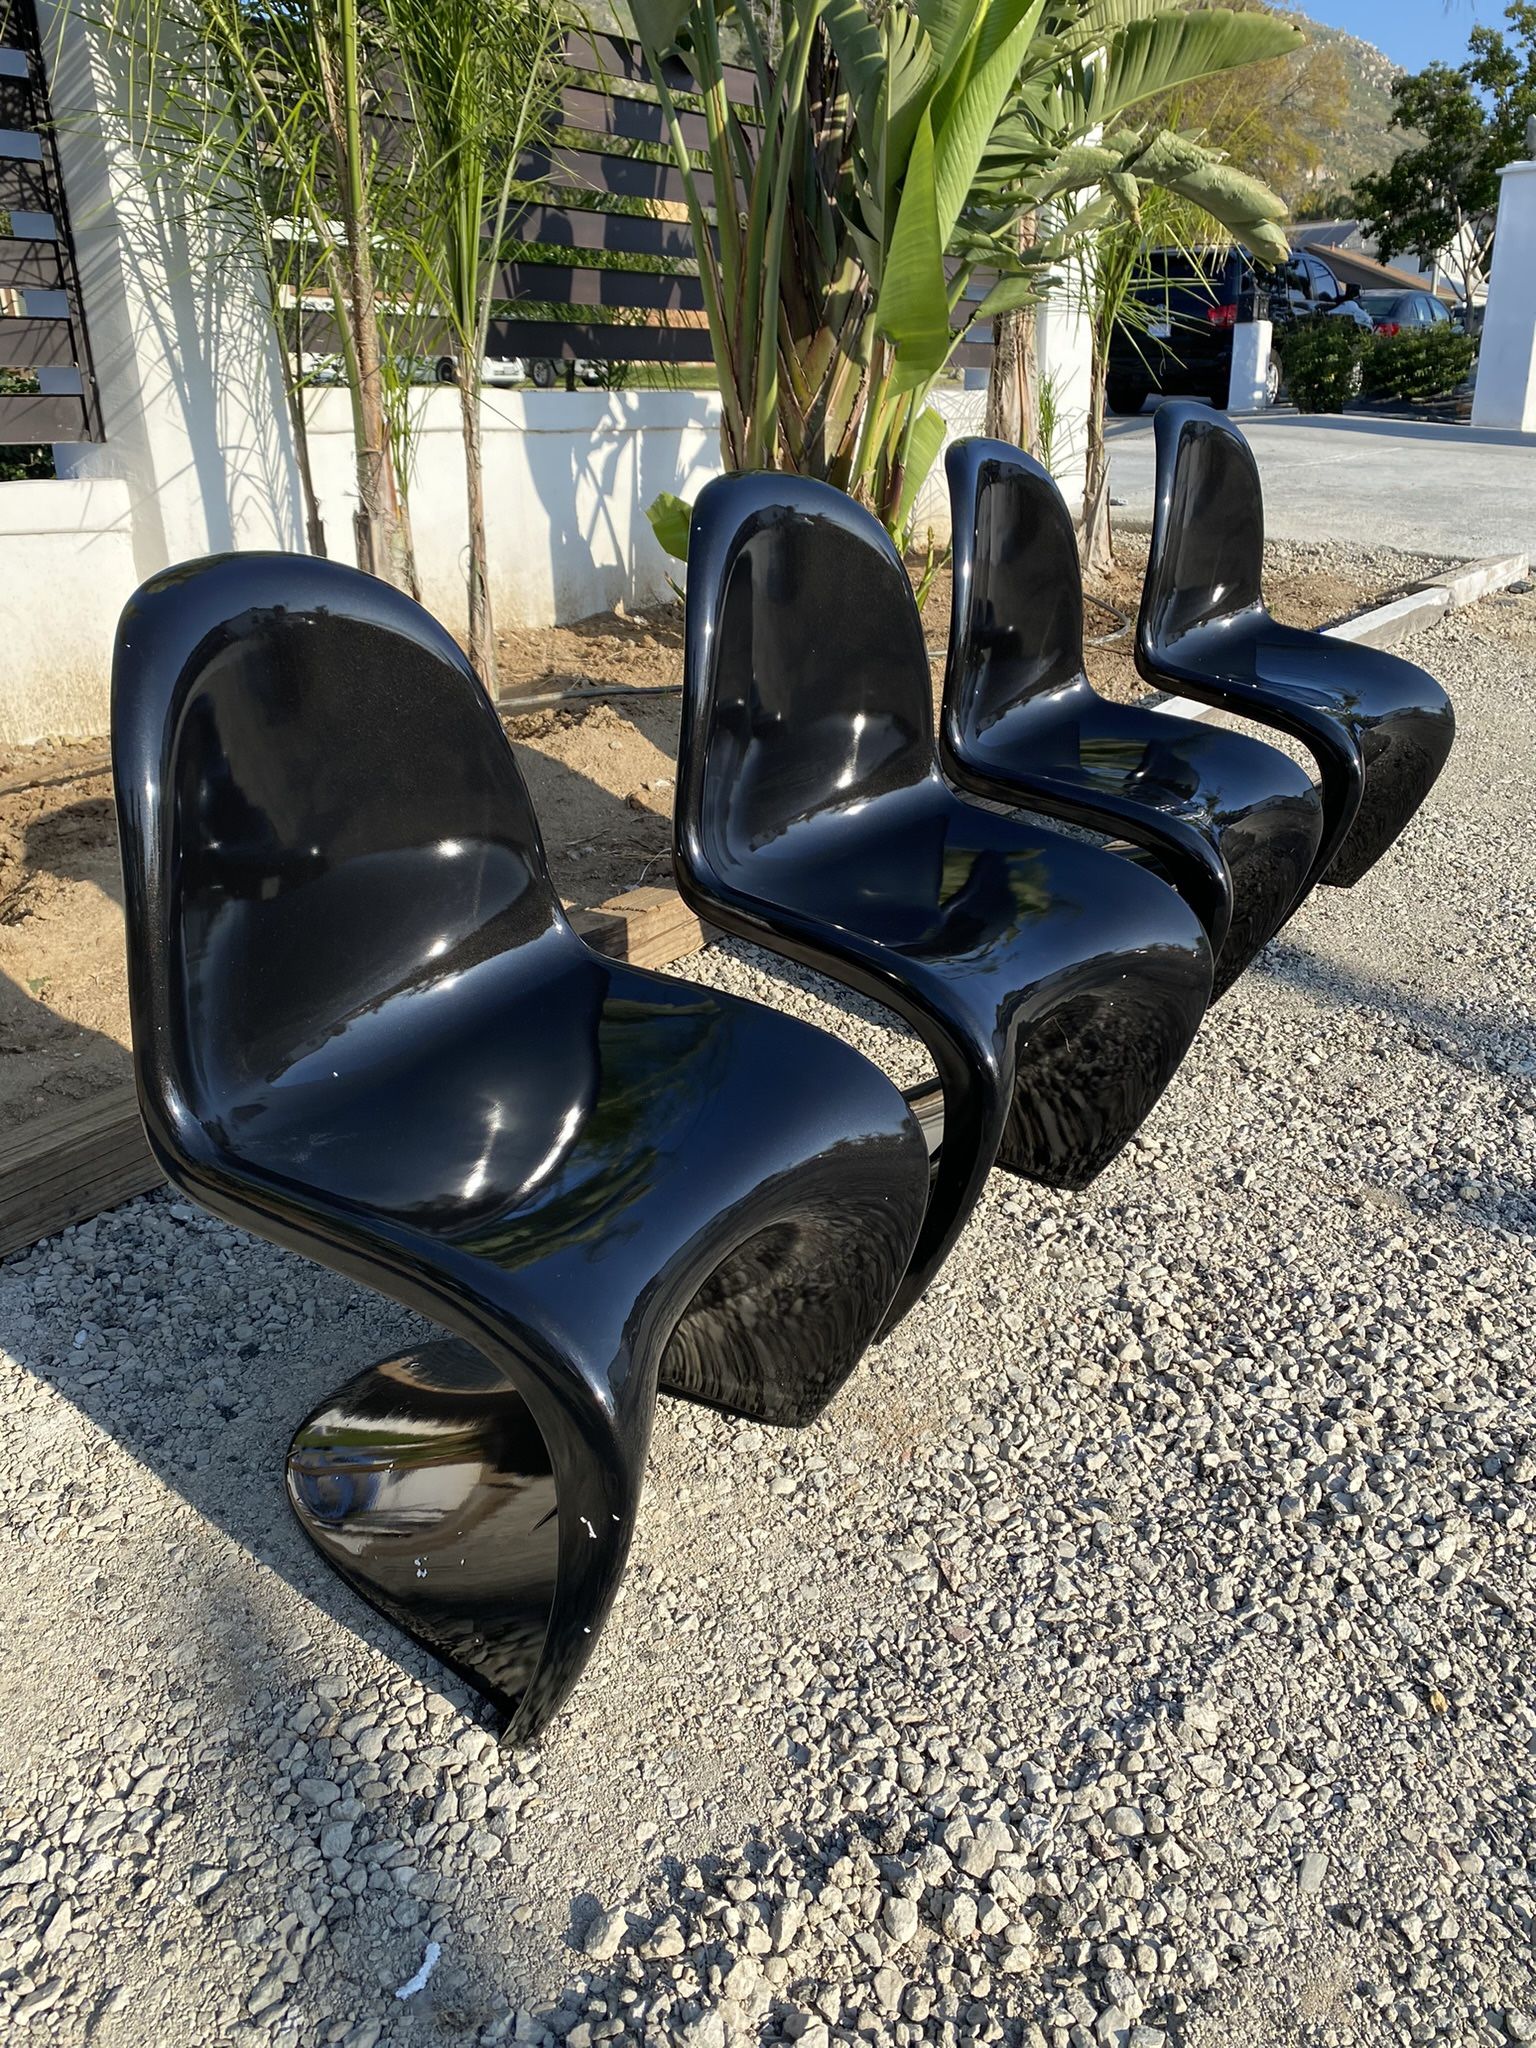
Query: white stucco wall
[66,570]
[568,476]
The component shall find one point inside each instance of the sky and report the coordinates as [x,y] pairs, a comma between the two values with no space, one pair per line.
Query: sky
[1413,33]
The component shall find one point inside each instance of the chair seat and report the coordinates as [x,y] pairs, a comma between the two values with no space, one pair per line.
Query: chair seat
[1252,818]
[660,1131]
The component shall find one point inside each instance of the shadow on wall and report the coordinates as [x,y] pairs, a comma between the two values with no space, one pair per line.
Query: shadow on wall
[594,488]
[182,341]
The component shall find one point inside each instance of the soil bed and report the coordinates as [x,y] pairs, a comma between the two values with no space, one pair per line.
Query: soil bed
[600,774]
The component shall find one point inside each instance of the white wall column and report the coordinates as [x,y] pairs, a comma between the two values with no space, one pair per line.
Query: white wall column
[1506,369]
[1248,390]
[181,339]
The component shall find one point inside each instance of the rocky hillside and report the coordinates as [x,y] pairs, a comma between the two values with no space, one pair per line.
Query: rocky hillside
[1363,139]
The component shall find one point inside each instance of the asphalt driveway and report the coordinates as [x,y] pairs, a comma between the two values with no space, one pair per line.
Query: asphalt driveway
[1435,489]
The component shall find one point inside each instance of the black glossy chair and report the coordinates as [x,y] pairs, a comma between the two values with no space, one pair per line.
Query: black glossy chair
[1056,986]
[1234,825]
[1379,727]
[364,1029]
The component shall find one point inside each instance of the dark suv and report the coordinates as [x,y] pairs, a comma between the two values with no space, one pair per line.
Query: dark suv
[1181,338]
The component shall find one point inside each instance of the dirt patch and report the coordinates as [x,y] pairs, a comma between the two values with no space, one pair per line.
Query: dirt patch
[600,774]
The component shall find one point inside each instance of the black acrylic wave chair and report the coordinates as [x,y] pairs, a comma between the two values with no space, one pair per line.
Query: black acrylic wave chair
[1233,824]
[363,1028]
[1379,727]
[1056,986]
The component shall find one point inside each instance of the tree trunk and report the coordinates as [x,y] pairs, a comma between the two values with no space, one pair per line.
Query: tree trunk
[382,548]
[482,630]
[380,534]
[1098,543]
[293,391]
[1012,392]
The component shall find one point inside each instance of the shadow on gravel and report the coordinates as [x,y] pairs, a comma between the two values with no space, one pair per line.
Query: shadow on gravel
[212,1416]
[1480,1041]
[1485,1042]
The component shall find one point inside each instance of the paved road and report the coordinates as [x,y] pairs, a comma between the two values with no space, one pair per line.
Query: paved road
[1439,489]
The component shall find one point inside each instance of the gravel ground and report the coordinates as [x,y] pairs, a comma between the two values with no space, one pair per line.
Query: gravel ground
[1139,1653]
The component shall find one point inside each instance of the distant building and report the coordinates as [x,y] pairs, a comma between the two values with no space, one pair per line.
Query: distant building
[1349,251]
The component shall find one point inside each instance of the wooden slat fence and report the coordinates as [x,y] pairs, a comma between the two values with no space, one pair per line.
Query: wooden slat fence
[46,389]
[601,264]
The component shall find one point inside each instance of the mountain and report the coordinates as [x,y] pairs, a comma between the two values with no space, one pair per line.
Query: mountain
[1361,137]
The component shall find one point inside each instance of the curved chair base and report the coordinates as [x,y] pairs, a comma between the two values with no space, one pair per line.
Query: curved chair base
[427,1484]
[1403,757]
[1089,1069]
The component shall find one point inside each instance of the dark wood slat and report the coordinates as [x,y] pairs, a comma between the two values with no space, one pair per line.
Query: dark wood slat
[599,287]
[32,265]
[627,176]
[36,345]
[602,113]
[23,186]
[559,342]
[577,230]
[36,417]
[624,60]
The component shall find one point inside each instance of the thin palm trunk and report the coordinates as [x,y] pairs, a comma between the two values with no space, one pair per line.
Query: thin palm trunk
[1013,400]
[482,630]
[1098,543]
[379,528]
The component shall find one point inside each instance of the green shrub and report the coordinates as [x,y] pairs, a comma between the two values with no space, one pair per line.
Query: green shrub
[1321,360]
[1422,362]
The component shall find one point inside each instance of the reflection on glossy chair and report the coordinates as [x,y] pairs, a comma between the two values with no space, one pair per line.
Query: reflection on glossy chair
[1231,823]
[363,1028]
[1056,986]
[1379,727]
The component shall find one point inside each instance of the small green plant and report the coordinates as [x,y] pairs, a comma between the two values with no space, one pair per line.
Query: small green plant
[1322,359]
[1424,362]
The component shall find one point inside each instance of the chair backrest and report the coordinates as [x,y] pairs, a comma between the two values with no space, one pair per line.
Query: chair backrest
[1016,619]
[806,684]
[1206,559]
[321,819]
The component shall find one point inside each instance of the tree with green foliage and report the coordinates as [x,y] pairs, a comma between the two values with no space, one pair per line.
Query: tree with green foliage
[896,155]
[1438,199]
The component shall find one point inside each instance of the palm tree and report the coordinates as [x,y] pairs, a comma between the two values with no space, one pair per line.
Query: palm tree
[479,78]
[894,163]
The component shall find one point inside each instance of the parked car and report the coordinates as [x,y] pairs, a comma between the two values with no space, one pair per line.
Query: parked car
[1391,311]
[496,372]
[1181,338]
[503,372]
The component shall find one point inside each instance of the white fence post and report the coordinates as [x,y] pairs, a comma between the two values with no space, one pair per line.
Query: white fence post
[1506,369]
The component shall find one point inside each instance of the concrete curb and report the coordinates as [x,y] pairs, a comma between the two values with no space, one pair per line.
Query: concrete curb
[1383,625]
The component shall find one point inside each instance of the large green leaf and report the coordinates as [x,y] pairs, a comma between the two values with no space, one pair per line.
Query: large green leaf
[912,311]
[922,452]
[658,23]
[671,520]
[856,39]
[1152,56]
[968,120]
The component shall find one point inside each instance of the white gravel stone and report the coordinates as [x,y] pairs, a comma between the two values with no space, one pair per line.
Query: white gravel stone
[1160,1505]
